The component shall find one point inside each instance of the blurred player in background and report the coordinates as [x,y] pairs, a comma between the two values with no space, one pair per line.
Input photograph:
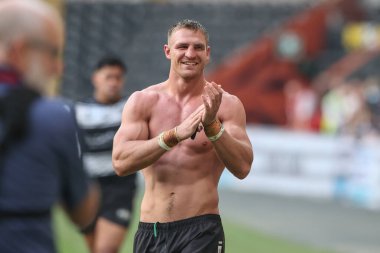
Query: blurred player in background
[99,118]
[40,160]
[179,211]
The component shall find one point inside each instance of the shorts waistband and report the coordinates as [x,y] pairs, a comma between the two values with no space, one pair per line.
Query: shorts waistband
[180,223]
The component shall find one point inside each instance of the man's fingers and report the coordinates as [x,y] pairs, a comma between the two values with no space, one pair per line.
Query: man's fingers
[206,103]
[217,90]
[197,111]
[214,103]
[214,91]
[210,98]
[218,87]
[210,89]
[200,108]
[211,93]
[194,122]
[191,124]
[195,127]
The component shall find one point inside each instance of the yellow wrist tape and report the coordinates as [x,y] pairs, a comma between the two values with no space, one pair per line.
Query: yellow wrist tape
[168,139]
[162,143]
[218,135]
[214,130]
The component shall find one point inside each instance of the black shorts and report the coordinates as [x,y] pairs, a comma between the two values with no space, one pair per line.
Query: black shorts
[201,234]
[117,196]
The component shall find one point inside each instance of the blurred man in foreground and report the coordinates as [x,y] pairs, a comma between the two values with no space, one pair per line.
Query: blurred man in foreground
[179,211]
[99,118]
[39,159]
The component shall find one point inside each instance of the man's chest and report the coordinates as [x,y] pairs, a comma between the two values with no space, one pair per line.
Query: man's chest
[168,116]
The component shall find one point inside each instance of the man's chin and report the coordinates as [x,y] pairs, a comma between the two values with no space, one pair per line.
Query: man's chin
[112,98]
[188,75]
[40,85]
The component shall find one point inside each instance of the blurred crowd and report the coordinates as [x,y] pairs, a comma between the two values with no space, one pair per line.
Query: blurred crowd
[343,99]
[347,107]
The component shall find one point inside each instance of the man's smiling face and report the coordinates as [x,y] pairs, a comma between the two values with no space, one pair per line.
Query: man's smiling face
[188,53]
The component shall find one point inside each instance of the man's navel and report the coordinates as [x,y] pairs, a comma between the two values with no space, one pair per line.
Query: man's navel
[171,202]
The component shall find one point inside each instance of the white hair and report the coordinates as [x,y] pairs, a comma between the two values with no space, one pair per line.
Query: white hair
[22,19]
[28,21]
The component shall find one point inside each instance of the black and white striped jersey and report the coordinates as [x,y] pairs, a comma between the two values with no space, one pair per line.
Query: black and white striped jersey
[98,123]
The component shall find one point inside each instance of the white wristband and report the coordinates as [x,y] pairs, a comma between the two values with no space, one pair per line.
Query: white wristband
[162,143]
[217,136]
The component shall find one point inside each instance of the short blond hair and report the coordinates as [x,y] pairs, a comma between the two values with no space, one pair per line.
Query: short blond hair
[191,25]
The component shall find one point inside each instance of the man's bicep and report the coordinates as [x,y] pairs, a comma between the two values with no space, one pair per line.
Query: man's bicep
[132,130]
[133,124]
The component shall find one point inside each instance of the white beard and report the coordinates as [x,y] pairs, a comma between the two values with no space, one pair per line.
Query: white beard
[36,76]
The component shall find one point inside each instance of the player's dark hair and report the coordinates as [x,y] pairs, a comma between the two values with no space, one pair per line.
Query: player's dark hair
[111,61]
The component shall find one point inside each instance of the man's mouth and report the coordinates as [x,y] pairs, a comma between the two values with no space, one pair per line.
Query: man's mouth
[189,63]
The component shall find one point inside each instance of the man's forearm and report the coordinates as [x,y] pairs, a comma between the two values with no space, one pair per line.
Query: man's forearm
[236,155]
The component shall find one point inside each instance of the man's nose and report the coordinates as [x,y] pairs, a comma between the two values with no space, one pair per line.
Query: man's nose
[190,52]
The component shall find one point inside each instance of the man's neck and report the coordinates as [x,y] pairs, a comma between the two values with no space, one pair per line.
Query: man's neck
[105,101]
[186,88]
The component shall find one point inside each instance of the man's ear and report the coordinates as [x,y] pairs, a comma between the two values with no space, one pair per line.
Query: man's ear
[17,55]
[93,78]
[167,51]
[208,52]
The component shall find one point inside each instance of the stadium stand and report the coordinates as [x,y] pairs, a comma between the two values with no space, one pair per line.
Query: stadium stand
[137,33]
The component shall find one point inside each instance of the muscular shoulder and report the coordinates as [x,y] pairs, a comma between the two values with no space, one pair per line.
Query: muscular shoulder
[230,101]
[141,102]
[146,96]
[231,106]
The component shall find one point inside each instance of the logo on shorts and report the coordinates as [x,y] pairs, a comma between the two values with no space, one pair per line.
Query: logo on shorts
[123,214]
[220,246]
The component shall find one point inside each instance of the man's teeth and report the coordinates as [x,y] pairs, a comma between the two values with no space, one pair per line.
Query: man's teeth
[190,63]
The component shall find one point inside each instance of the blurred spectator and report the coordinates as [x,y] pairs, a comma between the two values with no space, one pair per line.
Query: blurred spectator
[346,109]
[357,115]
[39,158]
[99,118]
[301,106]
[372,102]
[332,108]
